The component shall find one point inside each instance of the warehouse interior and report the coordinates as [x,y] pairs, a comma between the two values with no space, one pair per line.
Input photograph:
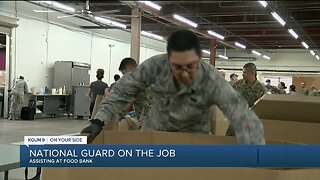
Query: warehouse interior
[39,40]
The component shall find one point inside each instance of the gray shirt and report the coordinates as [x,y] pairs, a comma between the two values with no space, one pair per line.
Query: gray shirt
[187,109]
[97,88]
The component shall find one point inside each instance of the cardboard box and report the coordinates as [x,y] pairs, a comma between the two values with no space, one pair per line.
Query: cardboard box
[219,123]
[290,118]
[148,137]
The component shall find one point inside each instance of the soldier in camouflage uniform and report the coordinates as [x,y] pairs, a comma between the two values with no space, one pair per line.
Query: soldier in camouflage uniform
[183,88]
[142,101]
[271,89]
[313,91]
[249,87]
[304,90]
[282,87]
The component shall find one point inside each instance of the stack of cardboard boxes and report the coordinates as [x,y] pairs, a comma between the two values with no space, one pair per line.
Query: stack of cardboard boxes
[286,119]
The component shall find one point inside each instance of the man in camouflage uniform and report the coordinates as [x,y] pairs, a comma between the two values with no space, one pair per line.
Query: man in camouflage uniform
[142,101]
[271,89]
[304,89]
[183,88]
[313,91]
[249,87]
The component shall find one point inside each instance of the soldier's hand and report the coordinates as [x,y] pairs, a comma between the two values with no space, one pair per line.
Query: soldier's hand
[94,129]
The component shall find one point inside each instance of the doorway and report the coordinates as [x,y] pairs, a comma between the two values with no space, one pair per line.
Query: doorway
[5,71]
[3,50]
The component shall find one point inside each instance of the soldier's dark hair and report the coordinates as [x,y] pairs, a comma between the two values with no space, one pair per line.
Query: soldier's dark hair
[21,77]
[293,88]
[116,77]
[183,40]
[127,62]
[100,73]
[251,67]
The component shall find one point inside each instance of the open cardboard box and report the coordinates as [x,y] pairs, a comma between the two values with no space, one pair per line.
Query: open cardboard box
[149,137]
[219,122]
[290,118]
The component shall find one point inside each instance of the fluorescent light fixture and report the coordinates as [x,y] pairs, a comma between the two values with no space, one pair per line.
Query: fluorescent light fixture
[43,11]
[151,4]
[240,45]
[151,35]
[294,34]
[305,45]
[109,22]
[187,21]
[205,51]
[263,3]
[59,5]
[256,52]
[317,57]
[216,34]
[266,57]
[223,57]
[312,52]
[278,18]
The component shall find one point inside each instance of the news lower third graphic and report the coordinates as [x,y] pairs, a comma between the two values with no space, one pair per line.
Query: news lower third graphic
[72,151]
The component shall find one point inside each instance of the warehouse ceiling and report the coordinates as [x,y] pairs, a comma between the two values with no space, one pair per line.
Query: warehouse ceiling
[246,22]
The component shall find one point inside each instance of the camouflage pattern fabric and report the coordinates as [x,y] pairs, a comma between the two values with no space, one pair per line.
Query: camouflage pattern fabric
[304,91]
[272,89]
[187,109]
[282,91]
[314,93]
[251,92]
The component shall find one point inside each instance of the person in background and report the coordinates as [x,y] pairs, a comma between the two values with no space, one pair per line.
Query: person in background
[116,77]
[249,87]
[142,102]
[223,73]
[270,88]
[282,87]
[304,90]
[17,96]
[233,79]
[292,90]
[313,91]
[183,88]
[97,87]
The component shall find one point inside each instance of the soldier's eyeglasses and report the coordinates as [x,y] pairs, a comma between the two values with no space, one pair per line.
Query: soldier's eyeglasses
[188,68]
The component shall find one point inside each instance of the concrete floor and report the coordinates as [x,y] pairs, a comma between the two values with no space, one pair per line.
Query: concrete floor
[14,131]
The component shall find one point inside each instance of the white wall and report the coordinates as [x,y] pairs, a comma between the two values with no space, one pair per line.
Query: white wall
[38,43]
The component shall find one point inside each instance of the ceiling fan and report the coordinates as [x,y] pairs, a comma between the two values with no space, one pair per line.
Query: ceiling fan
[86,12]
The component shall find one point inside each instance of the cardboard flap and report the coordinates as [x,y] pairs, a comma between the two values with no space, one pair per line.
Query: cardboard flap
[288,108]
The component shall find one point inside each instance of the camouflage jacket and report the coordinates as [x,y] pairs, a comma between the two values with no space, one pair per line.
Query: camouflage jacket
[313,93]
[273,89]
[304,91]
[142,104]
[282,91]
[251,92]
[186,110]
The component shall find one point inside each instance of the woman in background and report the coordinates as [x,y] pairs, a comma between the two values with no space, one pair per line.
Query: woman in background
[97,87]
[292,90]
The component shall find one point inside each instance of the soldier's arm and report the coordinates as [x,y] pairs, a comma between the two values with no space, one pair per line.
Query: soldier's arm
[263,90]
[124,91]
[247,126]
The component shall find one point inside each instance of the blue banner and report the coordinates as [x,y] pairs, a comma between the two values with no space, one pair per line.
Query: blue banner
[281,156]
